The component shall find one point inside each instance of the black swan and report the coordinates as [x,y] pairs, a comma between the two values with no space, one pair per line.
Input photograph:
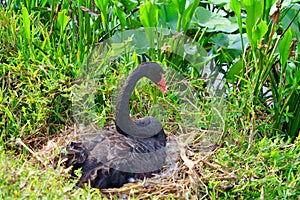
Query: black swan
[113,156]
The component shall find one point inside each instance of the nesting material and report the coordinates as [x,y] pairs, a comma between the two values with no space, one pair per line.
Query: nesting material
[189,167]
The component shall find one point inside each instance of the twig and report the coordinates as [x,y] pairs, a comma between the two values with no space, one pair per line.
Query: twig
[31,151]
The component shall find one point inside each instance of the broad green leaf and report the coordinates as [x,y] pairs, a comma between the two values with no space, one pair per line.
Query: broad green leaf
[180,5]
[62,19]
[236,7]
[231,46]
[287,18]
[204,17]
[221,39]
[168,16]
[254,11]
[149,19]
[213,21]
[134,39]
[230,28]
[259,30]
[121,15]
[188,14]
[102,5]
[26,21]
[284,47]
[149,14]
[234,71]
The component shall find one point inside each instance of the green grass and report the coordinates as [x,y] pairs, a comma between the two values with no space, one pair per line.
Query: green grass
[44,47]
[270,169]
[23,177]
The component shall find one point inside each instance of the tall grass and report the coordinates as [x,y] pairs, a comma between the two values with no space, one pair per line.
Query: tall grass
[271,64]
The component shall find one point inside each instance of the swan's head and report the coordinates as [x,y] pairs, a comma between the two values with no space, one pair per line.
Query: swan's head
[155,73]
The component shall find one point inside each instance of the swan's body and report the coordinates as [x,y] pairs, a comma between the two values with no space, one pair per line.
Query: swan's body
[130,150]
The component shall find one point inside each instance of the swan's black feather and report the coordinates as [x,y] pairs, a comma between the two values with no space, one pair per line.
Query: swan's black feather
[117,150]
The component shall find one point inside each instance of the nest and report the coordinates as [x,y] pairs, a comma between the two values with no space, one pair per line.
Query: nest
[190,166]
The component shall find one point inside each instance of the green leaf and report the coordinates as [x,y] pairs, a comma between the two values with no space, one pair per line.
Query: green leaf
[235,5]
[213,21]
[121,15]
[149,14]
[149,19]
[254,11]
[62,19]
[288,17]
[188,14]
[284,47]
[234,71]
[180,5]
[221,39]
[259,31]
[26,21]
[168,15]
[102,5]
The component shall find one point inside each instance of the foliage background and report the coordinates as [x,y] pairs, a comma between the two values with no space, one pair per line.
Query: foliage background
[254,45]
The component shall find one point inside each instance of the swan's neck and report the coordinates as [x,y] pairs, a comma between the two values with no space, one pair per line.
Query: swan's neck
[122,111]
[123,119]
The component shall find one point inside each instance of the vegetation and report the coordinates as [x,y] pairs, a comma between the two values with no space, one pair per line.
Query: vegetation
[48,46]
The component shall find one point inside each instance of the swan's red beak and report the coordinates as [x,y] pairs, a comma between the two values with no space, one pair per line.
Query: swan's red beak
[162,83]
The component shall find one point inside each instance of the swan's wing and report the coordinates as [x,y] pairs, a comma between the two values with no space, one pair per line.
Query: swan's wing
[129,155]
[108,158]
[94,154]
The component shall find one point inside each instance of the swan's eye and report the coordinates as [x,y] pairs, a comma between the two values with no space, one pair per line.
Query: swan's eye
[162,83]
